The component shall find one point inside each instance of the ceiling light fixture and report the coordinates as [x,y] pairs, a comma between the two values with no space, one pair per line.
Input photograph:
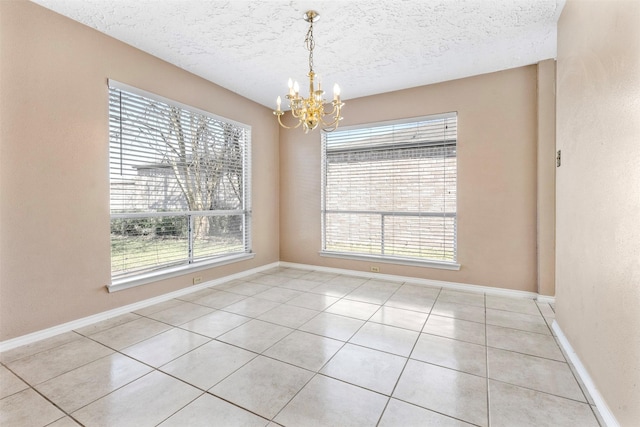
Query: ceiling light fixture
[310,111]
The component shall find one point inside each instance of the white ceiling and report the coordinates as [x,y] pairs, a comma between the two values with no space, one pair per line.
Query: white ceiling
[368,47]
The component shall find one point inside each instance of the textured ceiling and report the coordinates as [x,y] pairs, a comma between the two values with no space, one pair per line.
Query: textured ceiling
[368,47]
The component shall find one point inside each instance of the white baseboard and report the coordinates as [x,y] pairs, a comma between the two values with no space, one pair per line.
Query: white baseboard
[466,287]
[85,321]
[603,408]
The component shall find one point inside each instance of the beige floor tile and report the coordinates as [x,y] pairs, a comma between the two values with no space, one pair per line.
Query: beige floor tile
[181,313]
[524,322]
[27,408]
[51,363]
[547,312]
[517,305]
[229,284]
[318,276]
[460,297]
[453,393]
[371,369]
[450,327]
[263,386]
[207,411]
[215,324]
[418,291]
[374,292]
[248,288]
[219,299]
[209,364]
[355,309]
[9,383]
[510,405]
[278,294]
[289,315]
[413,297]
[165,347]
[450,353]
[145,402]
[540,374]
[251,307]
[308,351]
[344,280]
[382,284]
[299,284]
[158,307]
[196,295]
[336,290]
[472,313]
[399,413]
[313,301]
[269,279]
[249,278]
[292,272]
[64,422]
[107,324]
[386,338]
[524,342]
[130,333]
[256,335]
[75,389]
[351,406]
[38,346]
[333,326]
[400,318]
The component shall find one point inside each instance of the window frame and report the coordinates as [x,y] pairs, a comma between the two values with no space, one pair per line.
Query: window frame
[382,258]
[192,264]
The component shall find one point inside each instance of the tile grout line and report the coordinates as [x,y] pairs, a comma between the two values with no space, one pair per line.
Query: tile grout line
[408,357]
[314,373]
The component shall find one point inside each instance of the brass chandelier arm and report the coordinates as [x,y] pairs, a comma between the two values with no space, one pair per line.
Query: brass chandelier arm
[285,126]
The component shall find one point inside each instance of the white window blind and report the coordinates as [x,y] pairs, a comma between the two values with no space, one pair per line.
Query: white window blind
[179,180]
[389,190]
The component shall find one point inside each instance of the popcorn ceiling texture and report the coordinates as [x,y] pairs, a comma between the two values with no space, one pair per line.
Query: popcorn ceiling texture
[368,47]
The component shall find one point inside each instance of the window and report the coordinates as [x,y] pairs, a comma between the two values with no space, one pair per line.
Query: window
[179,180]
[389,192]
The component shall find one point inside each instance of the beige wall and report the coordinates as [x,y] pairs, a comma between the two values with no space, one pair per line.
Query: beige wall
[546,183]
[497,127]
[54,200]
[598,196]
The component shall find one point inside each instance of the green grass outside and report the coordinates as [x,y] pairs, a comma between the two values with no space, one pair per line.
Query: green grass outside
[139,253]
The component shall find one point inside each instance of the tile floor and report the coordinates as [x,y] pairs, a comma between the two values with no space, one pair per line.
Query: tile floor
[298,348]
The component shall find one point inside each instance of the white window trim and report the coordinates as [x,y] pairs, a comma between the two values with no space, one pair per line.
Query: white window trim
[386,258]
[168,273]
[392,260]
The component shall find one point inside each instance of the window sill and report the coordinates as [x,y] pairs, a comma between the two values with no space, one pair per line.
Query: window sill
[389,260]
[143,279]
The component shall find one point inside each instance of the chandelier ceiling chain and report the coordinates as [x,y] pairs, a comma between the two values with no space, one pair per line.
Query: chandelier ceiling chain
[310,111]
[309,43]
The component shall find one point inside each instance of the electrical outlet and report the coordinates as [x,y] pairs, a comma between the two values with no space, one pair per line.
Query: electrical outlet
[375,269]
[197,279]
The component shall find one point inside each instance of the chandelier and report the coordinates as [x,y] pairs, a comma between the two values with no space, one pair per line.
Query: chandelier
[310,111]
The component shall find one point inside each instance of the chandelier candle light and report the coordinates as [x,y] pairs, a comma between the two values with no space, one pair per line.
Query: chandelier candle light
[310,111]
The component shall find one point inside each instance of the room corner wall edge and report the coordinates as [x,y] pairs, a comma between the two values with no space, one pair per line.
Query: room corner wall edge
[606,414]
